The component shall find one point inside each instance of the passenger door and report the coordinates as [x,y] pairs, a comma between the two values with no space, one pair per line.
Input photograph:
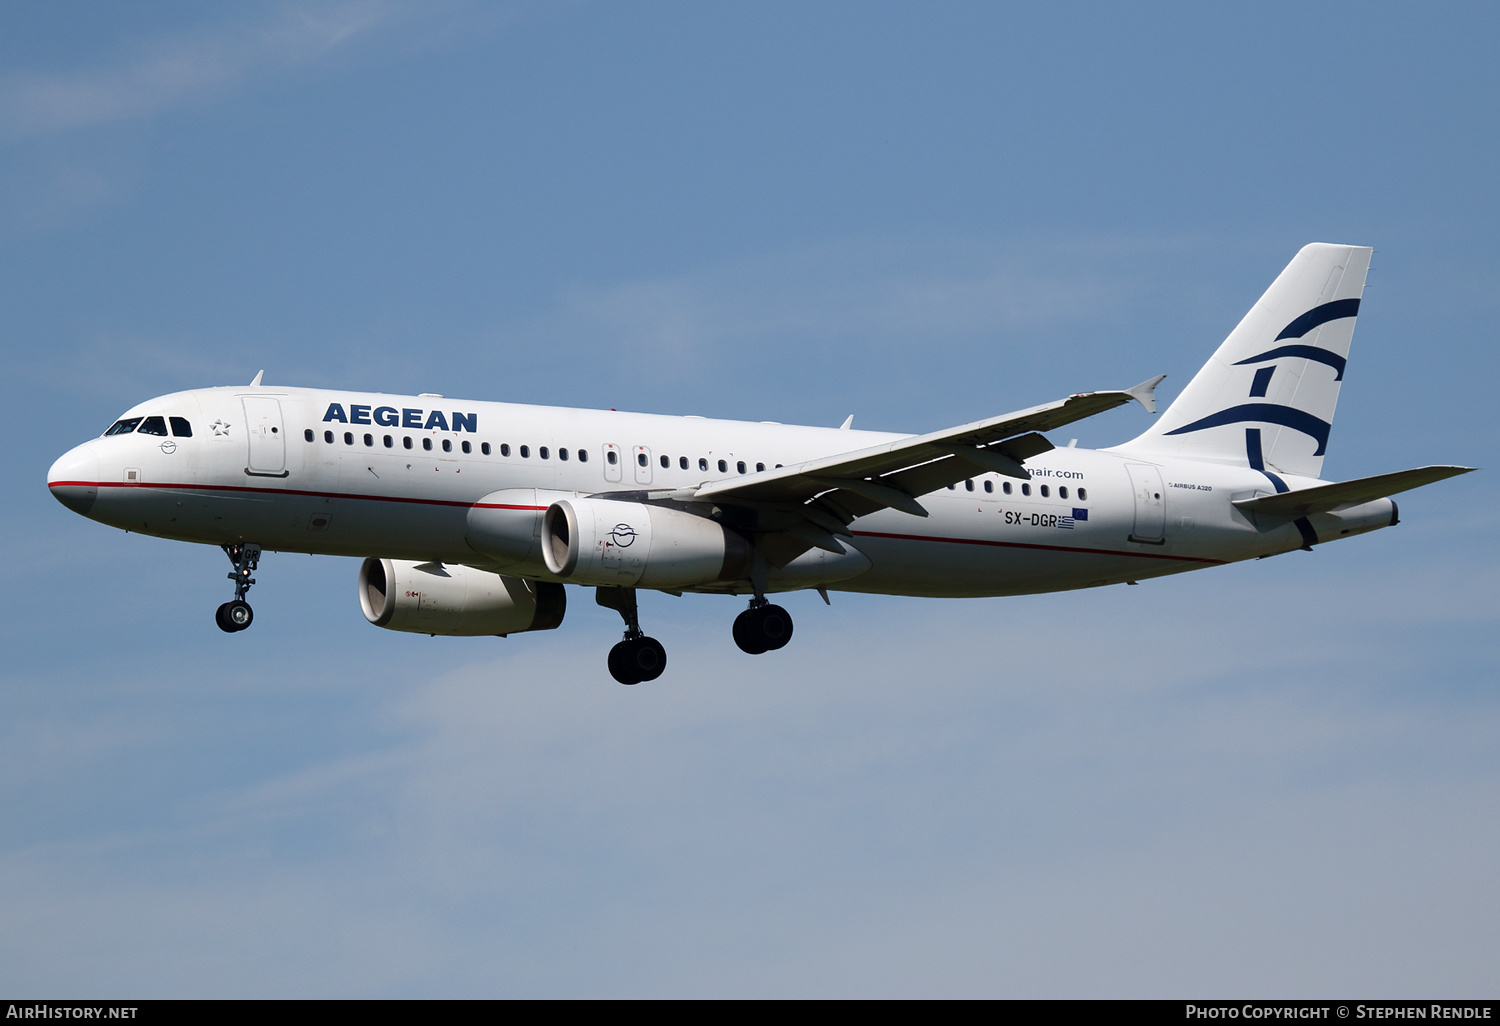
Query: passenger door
[1150,504]
[267,439]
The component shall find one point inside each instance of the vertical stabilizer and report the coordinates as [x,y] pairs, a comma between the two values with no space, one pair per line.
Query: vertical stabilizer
[1266,398]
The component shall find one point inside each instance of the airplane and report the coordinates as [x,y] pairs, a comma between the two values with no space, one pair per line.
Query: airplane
[472,517]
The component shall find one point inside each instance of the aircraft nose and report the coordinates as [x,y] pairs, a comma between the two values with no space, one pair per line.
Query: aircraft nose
[74,479]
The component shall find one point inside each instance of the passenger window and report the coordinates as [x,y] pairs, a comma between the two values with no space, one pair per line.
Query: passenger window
[123,427]
[759,467]
[740,466]
[702,463]
[427,444]
[466,447]
[542,452]
[525,452]
[1062,493]
[682,462]
[1045,493]
[583,455]
[666,461]
[989,486]
[1026,489]
[328,437]
[307,434]
[348,437]
[969,484]
[1006,487]
[640,458]
[182,429]
[370,440]
[504,448]
[1083,495]
[952,488]
[723,467]
[447,445]
[406,442]
[389,442]
[612,457]
[154,426]
[484,447]
[562,454]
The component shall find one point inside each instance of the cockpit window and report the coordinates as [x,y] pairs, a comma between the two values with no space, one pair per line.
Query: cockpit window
[181,428]
[123,427]
[154,426]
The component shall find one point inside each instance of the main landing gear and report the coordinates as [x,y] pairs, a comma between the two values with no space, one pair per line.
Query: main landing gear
[638,658]
[236,614]
[763,627]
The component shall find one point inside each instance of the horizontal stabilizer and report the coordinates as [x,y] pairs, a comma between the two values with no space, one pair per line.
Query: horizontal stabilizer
[1327,498]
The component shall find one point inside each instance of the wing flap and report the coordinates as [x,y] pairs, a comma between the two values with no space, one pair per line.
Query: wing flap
[1327,498]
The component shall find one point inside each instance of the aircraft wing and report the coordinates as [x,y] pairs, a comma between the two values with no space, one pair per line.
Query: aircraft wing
[833,490]
[1326,498]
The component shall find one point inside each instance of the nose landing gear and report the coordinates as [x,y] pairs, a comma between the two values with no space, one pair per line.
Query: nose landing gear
[637,658]
[236,614]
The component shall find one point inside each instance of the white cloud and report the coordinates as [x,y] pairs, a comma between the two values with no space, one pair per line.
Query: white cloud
[171,71]
[918,798]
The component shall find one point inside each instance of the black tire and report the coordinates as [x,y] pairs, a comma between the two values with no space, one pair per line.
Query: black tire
[650,658]
[747,633]
[775,626]
[221,617]
[622,663]
[238,613]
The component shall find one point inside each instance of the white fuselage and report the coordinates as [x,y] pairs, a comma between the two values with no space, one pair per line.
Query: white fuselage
[361,474]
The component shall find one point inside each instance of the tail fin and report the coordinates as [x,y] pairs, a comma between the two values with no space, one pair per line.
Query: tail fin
[1266,398]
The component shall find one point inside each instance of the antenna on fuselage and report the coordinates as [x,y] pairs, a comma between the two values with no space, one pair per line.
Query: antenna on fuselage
[258,375]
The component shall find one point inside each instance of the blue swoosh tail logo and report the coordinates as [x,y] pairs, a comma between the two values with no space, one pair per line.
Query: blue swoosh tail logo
[1334,360]
[1314,318]
[1265,413]
[1319,316]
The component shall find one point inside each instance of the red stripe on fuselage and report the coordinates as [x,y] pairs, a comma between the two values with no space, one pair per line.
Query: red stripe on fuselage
[284,491]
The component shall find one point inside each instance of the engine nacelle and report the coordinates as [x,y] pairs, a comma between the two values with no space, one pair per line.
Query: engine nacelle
[634,544]
[507,526]
[441,598]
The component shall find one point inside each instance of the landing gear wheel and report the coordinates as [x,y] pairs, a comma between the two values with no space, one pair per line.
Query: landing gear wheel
[762,629]
[234,616]
[775,627]
[650,658]
[636,660]
[746,634]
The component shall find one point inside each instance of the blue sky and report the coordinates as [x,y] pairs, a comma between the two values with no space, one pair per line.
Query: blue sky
[1268,779]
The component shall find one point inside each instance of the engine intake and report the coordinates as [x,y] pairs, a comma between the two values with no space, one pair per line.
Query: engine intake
[439,598]
[635,544]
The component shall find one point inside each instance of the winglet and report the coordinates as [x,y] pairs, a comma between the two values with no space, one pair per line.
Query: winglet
[848,422]
[1145,392]
[258,375]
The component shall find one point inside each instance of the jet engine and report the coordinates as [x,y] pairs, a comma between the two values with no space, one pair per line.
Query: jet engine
[442,598]
[634,544]
[506,526]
